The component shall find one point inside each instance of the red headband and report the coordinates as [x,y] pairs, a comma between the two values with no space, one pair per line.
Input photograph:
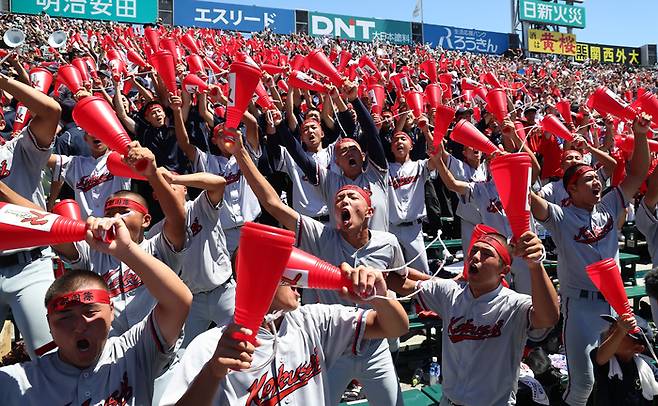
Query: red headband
[364,193]
[151,107]
[67,300]
[497,246]
[122,202]
[579,172]
[346,140]
[406,135]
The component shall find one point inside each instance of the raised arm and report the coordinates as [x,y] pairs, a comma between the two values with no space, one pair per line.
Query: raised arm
[45,110]
[639,165]
[370,132]
[608,162]
[457,186]
[607,349]
[538,206]
[181,132]
[294,147]
[8,195]
[651,197]
[213,184]
[127,122]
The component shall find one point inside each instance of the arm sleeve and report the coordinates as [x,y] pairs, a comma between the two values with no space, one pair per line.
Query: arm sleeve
[646,222]
[84,258]
[371,138]
[614,201]
[308,233]
[555,216]
[294,147]
[200,163]
[435,294]
[347,125]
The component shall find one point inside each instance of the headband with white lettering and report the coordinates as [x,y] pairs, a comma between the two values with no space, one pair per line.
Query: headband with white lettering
[78,297]
[122,202]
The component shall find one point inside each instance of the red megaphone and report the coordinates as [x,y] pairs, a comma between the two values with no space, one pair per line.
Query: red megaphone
[117,167]
[70,76]
[466,134]
[91,66]
[492,80]
[303,81]
[272,69]
[433,95]
[188,42]
[264,100]
[497,104]
[195,64]
[446,79]
[118,67]
[34,228]
[163,62]
[153,38]
[369,66]
[169,44]
[41,79]
[377,94]
[416,102]
[512,174]
[194,84]
[606,102]
[627,144]
[470,84]
[401,82]
[520,130]
[263,254]
[345,57]
[649,104]
[319,63]
[297,62]
[442,118]
[429,67]
[564,108]
[605,275]
[81,64]
[68,208]
[135,58]
[307,271]
[552,125]
[94,115]
[21,119]
[243,79]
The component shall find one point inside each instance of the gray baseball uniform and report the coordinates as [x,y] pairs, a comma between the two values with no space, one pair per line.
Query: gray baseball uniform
[406,205]
[309,341]
[240,202]
[583,237]
[554,192]
[480,335]
[647,224]
[373,367]
[132,301]
[123,375]
[24,279]
[466,210]
[90,180]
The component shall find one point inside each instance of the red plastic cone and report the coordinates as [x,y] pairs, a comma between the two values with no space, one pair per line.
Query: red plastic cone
[442,118]
[512,174]
[68,208]
[319,63]
[169,44]
[520,130]
[429,67]
[470,84]
[433,95]
[466,134]
[272,69]
[243,79]
[195,64]
[627,144]
[118,67]
[188,42]
[564,108]
[607,102]
[21,119]
[307,271]
[497,104]
[118,168]
[649,104]
[552,125]
[91,66]
[212,65]
[41,79]
[264,100]
[377,94]
[492,80]
[282,85]
[401,82]
[416,102]
[446,79]
[70,76]
[297,62]
[262,257]
[153,38]
[82,67]
[345,57]
[194,84]
[135,58]
[606,277]
[94,115]
[34,228]
[369,66]
[303,81]
[163,62]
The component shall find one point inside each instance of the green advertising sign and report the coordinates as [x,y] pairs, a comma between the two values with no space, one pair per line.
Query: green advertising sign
[552,13]
[129,11]
[359,28]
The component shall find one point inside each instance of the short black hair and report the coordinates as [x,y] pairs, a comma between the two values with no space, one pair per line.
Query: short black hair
[72,281]
[570,173]
[651,283]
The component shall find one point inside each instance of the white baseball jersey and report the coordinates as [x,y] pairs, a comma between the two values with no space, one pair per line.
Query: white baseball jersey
[90,180]
[406,193]
[123,375]
[466,210]
[483,340]
[206,263]
[132,301]
[373,178]
[554,192]
[382,251]
[647,224]
[309,341]
[583,237]
[240,202]
[307,198]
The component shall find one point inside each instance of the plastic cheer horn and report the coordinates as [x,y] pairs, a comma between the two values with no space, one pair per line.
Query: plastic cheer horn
[649,103]
[135,58]
[319,63]
[442,118]
[377,94]
[401,82]
[416,102]
[492,80]
[606,102]
[243,79]
[118,168]
[41,79]
[307,271]
[512,174]
[470,84]
[564,108]
[195,64]
[81,64]
[194,84]
[94,115]
[272,69]
[429,67]
[466,134]
[262,257]
[433,95]
[553,125]
[606,277]
[68,208]
[164,64]
[188,42]
[497,104]
[70,76]
[263,98]
[369,66]
[627,144]
[345,56]
[303,81]
[153,38]
[34,228]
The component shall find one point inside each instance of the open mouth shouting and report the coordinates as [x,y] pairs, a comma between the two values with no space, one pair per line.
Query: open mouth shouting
[352,162]
[83,345]
[345,217]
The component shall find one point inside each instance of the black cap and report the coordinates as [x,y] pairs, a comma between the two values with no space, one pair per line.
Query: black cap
[645,335]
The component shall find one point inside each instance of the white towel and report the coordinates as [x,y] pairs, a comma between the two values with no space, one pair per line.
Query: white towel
[647,379]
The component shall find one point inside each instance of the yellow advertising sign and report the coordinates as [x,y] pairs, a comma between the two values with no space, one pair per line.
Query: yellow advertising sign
[549,42]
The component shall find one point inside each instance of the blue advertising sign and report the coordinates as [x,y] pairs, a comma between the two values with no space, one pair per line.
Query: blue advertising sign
[224,16]
[462,39]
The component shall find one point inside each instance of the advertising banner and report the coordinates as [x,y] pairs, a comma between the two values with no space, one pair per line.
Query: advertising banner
[224,16]
[538,11]
[607,53]
[462,39]
[129,11]
[359,28]
[550,42]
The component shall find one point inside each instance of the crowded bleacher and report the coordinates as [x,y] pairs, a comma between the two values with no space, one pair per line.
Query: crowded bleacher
[197,216]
